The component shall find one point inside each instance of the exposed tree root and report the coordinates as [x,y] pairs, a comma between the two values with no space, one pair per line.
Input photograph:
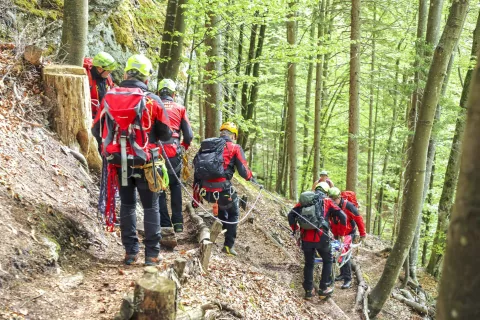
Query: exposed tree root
[361,300]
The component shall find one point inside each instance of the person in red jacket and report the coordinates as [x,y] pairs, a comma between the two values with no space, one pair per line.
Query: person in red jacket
[317,240]
[354,220]
[137,74]
[100,80]
[221,190]
[173,150]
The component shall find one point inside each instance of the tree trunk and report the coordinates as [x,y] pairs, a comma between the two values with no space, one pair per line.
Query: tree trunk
[318,96]
[388,148]
[281,146]
[428,173]
[427,216]
[239,63]
[451,174]
[201,109]
[189,78]
[308,95]
[154,297]
[292,112]
[373,165]
[433,27]
[458,296]
[71,113]
[370,124]
[177,42]
[354,102]
[243,134]
[167,35]
[74,32]
[416,174]
[213,97]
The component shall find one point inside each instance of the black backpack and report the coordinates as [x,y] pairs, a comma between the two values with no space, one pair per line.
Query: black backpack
[311,216]
[209,161]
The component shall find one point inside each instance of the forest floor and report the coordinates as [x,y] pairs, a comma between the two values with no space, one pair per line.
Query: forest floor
[56,262]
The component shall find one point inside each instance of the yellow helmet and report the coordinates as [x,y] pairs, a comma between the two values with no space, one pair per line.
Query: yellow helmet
[322,186]
[230,126]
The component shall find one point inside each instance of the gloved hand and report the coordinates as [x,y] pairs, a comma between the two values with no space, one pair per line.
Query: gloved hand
[194,204]
[185,146]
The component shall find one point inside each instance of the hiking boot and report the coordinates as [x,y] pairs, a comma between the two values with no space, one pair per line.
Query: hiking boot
[178,228]
[229,251]
[152,261]
[308,294]
[130,259]
[325,293]
[347,284]
[340,277]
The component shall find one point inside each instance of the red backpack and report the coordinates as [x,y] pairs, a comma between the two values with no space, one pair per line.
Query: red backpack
[350,196]
[126,127]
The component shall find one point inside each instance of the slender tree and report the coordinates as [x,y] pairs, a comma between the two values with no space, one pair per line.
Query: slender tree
[212,88]
[416,173]
[177,42]
[292,112]
[318,95]
[354,105]
[74,32]
[167,35]
[458,298]
[451,174]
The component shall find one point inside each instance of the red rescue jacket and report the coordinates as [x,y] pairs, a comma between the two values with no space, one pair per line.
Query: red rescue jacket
[179,125]
[98,86]
[330,210]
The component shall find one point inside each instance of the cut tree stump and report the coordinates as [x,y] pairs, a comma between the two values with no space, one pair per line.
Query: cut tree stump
[154,297]
[68,95]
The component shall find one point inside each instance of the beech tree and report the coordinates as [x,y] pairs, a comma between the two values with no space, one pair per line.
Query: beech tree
[458,298]
[414,189]
[74,32]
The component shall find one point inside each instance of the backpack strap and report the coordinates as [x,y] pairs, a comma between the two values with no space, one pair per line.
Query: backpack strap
[344,205]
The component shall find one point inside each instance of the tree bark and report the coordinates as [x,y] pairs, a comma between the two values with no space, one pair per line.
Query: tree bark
[458,298]
[292,112]
[308,96]
[213,97]
[354,102]
[281,146]
[370,195]
[370,124]
[416,173]
[451,174]
[388,148]
[71,113]
[239,62]
[201,110]
[177,42]
[431,39]
[167,35]
[318,96]
[243,134]
[74,32]
[154,297]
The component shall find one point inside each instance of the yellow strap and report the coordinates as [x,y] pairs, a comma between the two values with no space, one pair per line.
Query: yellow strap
[185,169]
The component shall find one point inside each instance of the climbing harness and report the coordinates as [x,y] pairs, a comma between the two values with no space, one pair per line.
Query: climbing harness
[199,204]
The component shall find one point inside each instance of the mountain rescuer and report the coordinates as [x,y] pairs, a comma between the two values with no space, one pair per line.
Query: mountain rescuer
[174,149]
[311,215]
[323,178]
[99,79]
[354,220]
[321,189]
[131,121]
[215,165]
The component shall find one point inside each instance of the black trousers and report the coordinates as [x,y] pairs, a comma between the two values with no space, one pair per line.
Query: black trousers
[128,218]
[229,211]
[346,269]
[175,197]
[323,248]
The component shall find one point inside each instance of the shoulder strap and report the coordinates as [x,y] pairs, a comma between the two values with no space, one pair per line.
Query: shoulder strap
[344,206]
